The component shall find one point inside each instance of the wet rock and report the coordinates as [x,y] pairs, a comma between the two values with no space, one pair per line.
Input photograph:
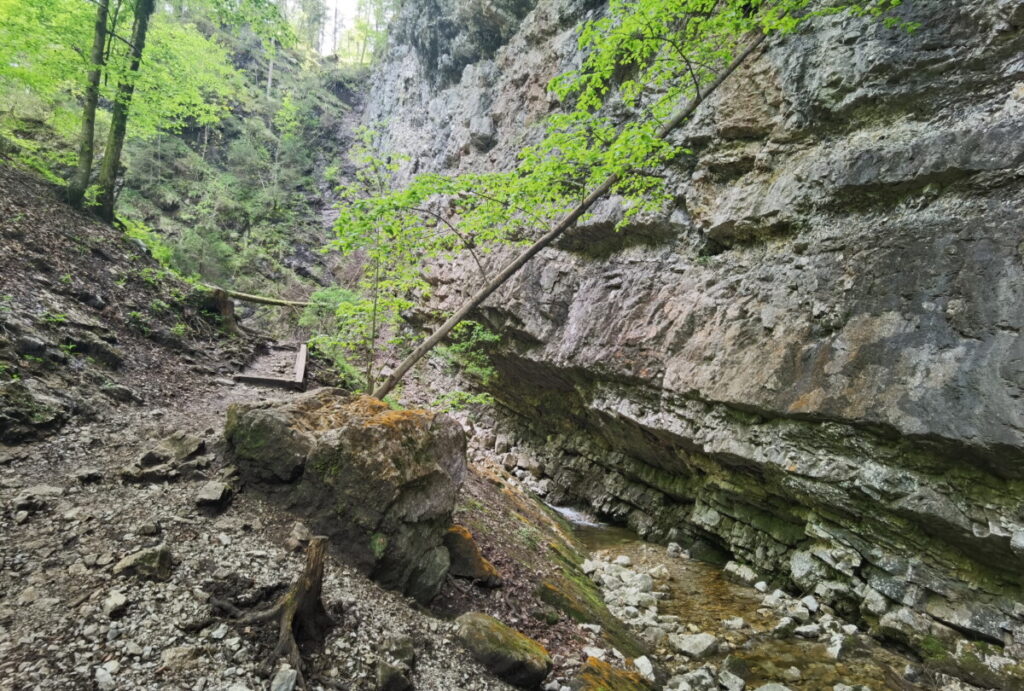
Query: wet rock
[155,563]
[701,679]
[730,681]
[380,483]
[792,674]
[466,559]
[695,646]
[507,653]
[740,573]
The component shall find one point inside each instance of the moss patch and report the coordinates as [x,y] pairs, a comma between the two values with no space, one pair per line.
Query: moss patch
[597,675]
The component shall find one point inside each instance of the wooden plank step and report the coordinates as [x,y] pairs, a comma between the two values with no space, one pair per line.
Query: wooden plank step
[297,380]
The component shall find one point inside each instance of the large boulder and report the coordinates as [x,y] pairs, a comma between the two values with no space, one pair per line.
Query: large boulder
[381,483]
[515,658]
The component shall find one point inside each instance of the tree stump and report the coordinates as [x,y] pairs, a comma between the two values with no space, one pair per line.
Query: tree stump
[300,612]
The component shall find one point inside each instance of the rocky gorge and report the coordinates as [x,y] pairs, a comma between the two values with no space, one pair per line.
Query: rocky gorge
[811,362]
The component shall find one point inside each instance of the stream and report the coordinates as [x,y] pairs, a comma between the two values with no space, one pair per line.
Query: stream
[705,601]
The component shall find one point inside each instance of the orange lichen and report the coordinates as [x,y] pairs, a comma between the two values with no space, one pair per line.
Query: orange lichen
[597,675]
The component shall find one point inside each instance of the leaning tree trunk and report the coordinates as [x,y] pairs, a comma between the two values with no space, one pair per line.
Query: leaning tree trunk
[567,222]
[119,116]
[86,145]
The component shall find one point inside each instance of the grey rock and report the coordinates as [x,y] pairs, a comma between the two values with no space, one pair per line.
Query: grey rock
[645,667]
[213,494]
[284,679]
[115,604]
[780,338]
[155,563]
[730,682]
[696,646]
[381,483]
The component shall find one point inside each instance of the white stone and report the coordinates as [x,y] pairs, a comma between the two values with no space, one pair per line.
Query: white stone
[697,646]
[734,624]
[598,653]
[104,679]
[115,603]
[807,631]
[644,667]
[285,679]
[730,681]
[660,572]
[810,602]
[623,560]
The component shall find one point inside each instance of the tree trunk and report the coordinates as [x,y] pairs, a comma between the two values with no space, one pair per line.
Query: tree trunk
[119,117]
[80,180]
[300,613]
[270,69]
[568,221]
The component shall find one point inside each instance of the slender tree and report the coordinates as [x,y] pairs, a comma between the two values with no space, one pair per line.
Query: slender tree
[80,180]
[119,115]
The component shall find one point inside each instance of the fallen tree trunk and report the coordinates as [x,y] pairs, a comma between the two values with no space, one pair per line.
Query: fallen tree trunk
[259,299]
[567,222]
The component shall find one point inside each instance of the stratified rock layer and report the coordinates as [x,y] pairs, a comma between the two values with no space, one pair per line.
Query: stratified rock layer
[380,483]
[813,360]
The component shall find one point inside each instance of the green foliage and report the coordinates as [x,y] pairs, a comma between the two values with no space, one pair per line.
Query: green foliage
[460,400]
[469,344]
[153,242]
[54,318]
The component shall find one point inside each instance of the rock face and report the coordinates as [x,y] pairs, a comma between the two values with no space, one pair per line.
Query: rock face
[380,483]
[814,360]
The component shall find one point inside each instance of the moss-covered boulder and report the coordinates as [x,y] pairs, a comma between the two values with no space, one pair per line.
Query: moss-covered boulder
[466,559]
[380,483]
[513,657]
[597,675]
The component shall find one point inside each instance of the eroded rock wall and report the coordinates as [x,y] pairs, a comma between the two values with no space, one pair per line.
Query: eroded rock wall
[813,361]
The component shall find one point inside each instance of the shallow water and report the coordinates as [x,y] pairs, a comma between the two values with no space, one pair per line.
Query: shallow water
[699,595]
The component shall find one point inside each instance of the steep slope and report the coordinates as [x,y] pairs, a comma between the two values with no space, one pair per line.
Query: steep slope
[813,362]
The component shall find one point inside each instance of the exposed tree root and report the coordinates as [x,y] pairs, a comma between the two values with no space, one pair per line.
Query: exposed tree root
[300,613]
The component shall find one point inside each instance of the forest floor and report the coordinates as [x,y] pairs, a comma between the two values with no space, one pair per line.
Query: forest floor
[102,356]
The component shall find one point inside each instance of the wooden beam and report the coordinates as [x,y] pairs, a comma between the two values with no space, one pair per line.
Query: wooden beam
[299,373]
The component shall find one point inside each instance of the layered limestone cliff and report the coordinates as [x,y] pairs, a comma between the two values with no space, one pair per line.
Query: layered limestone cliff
[813,362]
